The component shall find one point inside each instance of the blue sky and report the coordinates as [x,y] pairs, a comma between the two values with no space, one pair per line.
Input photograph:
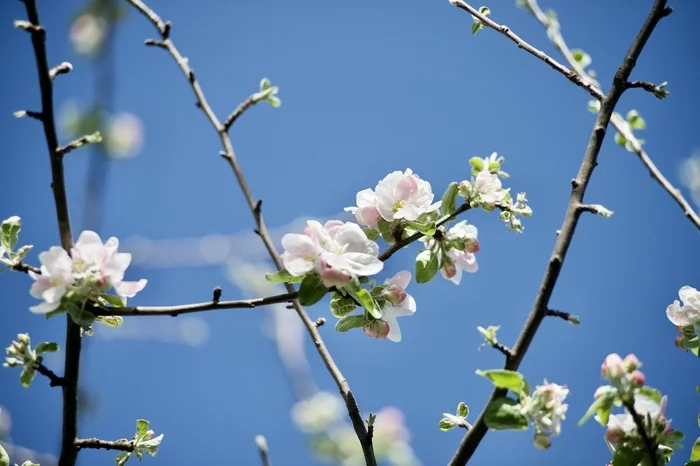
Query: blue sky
[366,88]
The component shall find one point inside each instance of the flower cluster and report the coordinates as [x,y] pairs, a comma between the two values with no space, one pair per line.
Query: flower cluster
[333,440]
[685,315]
[455,250]
[87,273]
[546,410]
[21,354]
[627,388]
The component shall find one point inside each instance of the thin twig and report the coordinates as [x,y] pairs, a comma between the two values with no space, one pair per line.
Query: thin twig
[95,443]
[71,146]
[196,307]
[54,380]
[646,85]
[639,422]
[247,103]
[342,384]
[261,442]
[619,125]
[539,310]
[20,266]
[503,349]
[71,373]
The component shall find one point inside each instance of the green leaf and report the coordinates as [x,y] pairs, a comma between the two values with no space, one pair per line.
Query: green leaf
[372,234]
[426,266]
[22,252]
[80,316]
[27,376]
[449,199]
[484,10]
[476,27]
[593,106]
[695,451]
[312,290]
[283,277]
[264,84]
[462,409]
[141,428]
[112,321]
[581,57]
[365,298]
[628,457]
[150,447]
[477,164]
[504,414]
[9,231]
[114,301]
[341,305]
[29,463]
[274,101]
[4,458]
[123,457]
[511,380]
[385,231]
[46,347]
[602,406]
[350,322]
[651,393]
[428,229]
[635,121]
[620,139]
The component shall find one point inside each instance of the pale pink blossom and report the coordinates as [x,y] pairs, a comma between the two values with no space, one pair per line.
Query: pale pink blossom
[404,196]
[689,312]
[53,282]
[489,187]
[399,303]
[366,211]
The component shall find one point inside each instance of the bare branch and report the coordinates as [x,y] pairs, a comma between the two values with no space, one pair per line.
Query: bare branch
[503,349]
[197,307]
[95,443]
[20,266]
[230,156]
[573,320]
[54,380]
[249,102]
[81,141]
[655,173]
[69,432]
[539,310]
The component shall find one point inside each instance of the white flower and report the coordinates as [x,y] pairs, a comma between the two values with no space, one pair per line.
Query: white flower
[689,313]
[404,196]
[366,211]
[489,186]
[124,135]
[53,282]
[104,264]
[461,259]
[546,408]
[399,303]
[87,33]
[643,406]
[341,246]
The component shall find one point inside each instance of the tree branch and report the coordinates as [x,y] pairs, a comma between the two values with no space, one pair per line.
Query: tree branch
[54,380]
[261,442]
[539,310]
[95,443]
[247,103]
[342,384]
[73,338]
[196,307]
[639,422]
[20,266]
[560,44]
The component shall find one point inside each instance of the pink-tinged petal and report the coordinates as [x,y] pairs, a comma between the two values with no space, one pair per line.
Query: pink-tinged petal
[296,266]
[57,263]
[352,209]
[368,216]
[115,266]
[407,186]
[406,308]
[44,308]
[111,246]
[409,212]
[39,287]
[366,198]
[319,234]
[54,293]
[361,264]
[351,236]
[331,226]
[129,289]
[455,277]
[401,279]
[90,247]
[298,245]
[334,277]
[394,329]
[377,329]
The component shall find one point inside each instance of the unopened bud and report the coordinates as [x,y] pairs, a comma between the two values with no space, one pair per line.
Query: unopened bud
[449,270]
[614,434]
[637,378]
[612,366]
[679,341]
[542,441]
[333,277]
[23,338]
[630,363]
[471,245]
[377,329]
[395,294]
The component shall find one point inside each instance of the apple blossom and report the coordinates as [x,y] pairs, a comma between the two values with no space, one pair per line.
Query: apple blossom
[53,282]
[398,196]
[689,312]
[458,242]
[637,378]
[489,187]
[612,366]
[343,247]
[399,303]
[625,422]
[546,408]
[87,33]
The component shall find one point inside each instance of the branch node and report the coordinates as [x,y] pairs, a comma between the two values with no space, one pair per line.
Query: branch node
[258,206]
[63,68]
[29,27]
[165,31]
[667,11]
[503,349]
[320,322]
[154,43]
[217,295]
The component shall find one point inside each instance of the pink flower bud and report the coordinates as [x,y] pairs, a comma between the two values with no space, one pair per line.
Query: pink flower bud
[472,245]
[377,329]
[17,345]
[678,341]
[334,277]
[614,434]
[612,366]
[637,378]
[679,328]
[630,363]
[449,269]
[395,294]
